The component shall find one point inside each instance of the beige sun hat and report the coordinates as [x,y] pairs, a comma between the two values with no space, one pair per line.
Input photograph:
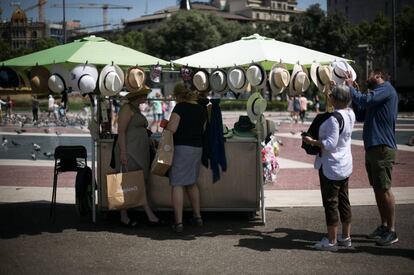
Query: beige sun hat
[299,81]
[84,78]
[339,70]
[111,80]
[59,80]
[39,77]
[236,79]
[218,80]
[135,79]
[256,75]
[201,80]
[279,78]
[255,106]
[321,75]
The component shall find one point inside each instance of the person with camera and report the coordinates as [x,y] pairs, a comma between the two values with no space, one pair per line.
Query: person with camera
[335,167]
[379,108]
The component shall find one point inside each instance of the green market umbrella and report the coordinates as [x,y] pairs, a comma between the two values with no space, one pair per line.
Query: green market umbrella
[92,50]
[256,48]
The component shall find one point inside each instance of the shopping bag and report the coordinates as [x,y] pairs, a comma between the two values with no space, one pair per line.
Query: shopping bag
[165,153]
[126,190]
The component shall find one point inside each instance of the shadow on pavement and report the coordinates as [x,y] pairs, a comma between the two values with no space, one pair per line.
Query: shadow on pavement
[32,218]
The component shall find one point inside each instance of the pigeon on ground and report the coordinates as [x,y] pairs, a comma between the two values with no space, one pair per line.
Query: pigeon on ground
[48,154]
[58,133]
[46,130]
[18,131]
[4,143]
[280,142]
[15,143]
[36,147]
[33,156]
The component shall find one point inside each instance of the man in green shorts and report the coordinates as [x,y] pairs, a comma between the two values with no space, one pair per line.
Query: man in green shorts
[378,109]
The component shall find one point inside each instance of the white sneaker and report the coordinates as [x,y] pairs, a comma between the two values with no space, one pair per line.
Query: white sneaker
[325,245]
[345,242]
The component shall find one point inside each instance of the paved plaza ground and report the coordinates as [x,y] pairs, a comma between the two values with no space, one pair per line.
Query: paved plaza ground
[229,243]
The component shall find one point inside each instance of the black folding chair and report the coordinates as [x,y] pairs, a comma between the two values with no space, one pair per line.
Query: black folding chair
[67,158]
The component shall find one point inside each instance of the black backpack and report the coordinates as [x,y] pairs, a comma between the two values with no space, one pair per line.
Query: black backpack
[83,191]
[313,130]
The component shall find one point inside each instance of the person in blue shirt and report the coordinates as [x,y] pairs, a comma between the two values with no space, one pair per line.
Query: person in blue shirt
[378,109]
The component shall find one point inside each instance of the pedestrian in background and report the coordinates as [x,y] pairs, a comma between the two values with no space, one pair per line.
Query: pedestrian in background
[35,108]
[317,104]
[335,167]
[379,109]
[9,107]
[2,103]
[303,101]
[51,106]
[187,122]
[157,112]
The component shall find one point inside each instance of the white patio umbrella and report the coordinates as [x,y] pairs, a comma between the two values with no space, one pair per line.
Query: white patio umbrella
[259,49]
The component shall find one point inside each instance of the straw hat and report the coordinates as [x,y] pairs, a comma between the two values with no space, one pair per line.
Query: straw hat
[256,75]
[144,90]
[299,81]
[256,106]
[201,80]
[84,78]
[321,75]
[135,79]
[39,77]
[236,79]
[8,77]
[111,80]
[339,70]
[218,80]
[279,78]
[59,80]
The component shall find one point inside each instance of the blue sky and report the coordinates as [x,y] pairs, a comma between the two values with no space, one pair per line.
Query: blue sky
[90,17]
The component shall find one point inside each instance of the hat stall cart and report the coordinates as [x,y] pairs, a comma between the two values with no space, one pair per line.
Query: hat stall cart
[260,55]
[83,56]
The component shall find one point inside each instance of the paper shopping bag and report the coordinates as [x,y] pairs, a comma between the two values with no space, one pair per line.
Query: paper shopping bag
[165,153]
[126,190]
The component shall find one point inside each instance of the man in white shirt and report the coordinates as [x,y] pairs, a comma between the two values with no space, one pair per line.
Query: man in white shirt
[335,166]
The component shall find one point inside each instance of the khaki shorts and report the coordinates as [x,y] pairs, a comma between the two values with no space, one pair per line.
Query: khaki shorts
[378,163]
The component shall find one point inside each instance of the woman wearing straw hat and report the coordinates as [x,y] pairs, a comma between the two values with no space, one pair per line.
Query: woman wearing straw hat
[187,122]
[132,149]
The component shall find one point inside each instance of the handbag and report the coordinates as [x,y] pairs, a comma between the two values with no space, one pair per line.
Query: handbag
[126,190]
[165,154]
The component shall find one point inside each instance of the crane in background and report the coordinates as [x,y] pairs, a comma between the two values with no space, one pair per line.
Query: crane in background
[104,8]
[40,5]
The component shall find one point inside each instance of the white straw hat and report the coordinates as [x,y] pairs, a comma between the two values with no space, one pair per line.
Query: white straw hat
[218,80]
[339,70]
[299,81]
[111,80]
[256,75]
[201,80]
[59,80]
[321,75]
[279,78]
[236,79]
[84,78]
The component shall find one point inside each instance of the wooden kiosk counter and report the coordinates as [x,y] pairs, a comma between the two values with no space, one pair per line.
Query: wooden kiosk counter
[237,190]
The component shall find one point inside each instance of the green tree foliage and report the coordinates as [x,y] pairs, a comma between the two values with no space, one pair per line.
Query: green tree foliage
[45,43]
[184,33]
[405,34]
[378,35]
[132,39]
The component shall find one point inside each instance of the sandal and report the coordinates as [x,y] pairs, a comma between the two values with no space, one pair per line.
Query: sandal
[130,224]
[160,222]
[178,227]
[198,221]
